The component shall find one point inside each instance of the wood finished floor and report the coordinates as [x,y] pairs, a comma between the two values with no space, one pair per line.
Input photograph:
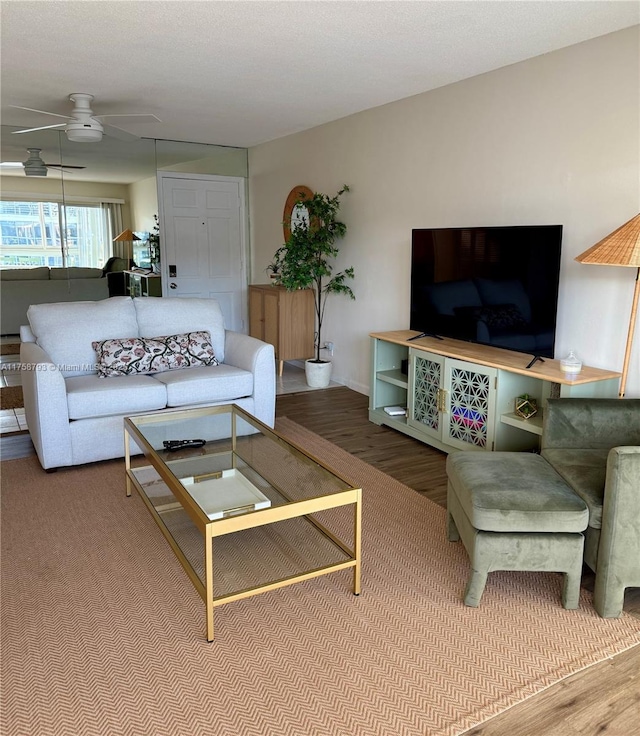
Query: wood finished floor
[602,699]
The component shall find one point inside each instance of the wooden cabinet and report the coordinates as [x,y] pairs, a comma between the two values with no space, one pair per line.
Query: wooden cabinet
[142,284]
[286,319]
[452,401]
[461,396]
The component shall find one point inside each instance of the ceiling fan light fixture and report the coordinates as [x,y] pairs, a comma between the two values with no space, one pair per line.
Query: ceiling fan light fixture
[84,132]
[35,170]
[83,126]
[34,165]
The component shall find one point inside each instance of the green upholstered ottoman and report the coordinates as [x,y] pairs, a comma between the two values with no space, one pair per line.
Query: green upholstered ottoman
[514,512]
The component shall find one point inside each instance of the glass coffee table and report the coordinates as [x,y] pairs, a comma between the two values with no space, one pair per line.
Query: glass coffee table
[278,515]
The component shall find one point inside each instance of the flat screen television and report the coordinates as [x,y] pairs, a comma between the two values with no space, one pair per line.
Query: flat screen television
[490,285]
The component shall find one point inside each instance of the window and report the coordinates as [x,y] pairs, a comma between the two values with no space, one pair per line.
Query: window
[52,234]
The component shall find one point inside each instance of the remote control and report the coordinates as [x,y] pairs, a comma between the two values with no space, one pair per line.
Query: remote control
[173,445]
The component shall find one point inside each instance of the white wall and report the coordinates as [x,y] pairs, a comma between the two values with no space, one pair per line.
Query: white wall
[143,196]
[555,139]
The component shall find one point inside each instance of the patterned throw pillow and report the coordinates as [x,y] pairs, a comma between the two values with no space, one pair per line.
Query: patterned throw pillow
[140,355]
[501,316]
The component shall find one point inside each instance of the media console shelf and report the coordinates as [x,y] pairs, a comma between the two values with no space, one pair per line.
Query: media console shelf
[461,396]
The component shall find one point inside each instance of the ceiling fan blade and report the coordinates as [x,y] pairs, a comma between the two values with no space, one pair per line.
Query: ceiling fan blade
[120,134]
[42,127]
[64,167]
[134,117]
[44,112]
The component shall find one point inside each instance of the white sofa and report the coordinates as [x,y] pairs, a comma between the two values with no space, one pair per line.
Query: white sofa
[74,416]
[21,287]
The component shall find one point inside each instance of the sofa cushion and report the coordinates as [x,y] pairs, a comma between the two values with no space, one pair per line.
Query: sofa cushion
[585,471]
[446,296]
[221,383]
[507,291]
[499,316]
[514,492]
[66,330]
[594,424]
[140,355]
[41,273]
[167,316]
[76,272]
[90,396]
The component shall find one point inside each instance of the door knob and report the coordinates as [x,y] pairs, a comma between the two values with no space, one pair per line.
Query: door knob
[173,286]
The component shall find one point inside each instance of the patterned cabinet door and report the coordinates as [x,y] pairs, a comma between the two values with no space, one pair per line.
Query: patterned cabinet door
[426,376]
[469,419]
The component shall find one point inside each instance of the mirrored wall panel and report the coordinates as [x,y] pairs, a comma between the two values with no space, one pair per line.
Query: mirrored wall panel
[64,203]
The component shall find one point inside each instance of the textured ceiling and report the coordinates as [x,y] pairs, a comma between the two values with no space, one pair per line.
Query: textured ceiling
[241,73]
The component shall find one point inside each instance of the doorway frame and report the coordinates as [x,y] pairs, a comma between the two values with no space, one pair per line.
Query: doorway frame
[244,231]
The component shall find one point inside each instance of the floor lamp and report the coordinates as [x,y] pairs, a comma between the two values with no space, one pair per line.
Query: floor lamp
[620,248]
[125,241]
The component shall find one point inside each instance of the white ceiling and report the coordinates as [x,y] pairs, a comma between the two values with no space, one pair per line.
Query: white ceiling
[241,73]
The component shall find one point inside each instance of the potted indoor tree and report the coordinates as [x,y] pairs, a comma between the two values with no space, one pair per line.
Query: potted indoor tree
[154,246]
[304,261]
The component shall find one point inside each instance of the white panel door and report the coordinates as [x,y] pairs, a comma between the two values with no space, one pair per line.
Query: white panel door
[203,241]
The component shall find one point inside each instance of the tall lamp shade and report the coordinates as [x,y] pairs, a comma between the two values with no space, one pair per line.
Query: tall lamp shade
[126,240]
[620,248]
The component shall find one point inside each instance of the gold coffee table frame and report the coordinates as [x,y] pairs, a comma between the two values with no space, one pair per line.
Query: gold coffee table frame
[210,529]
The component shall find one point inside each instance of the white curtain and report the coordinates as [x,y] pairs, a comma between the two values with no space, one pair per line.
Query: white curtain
[113,215]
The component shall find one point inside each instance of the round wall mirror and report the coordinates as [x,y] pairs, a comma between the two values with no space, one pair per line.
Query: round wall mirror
[294,211]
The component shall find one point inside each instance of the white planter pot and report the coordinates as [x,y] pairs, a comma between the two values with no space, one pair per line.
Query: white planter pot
[318,374]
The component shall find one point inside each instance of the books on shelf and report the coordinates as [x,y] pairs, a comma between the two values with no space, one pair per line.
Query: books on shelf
[396,411]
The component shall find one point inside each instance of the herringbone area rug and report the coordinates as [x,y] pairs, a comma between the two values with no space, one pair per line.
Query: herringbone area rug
[103,634]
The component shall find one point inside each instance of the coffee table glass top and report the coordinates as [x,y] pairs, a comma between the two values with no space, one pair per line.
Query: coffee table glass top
[252,452]
[244,484]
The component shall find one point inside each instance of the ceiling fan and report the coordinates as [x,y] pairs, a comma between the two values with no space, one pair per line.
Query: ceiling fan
[85,127]
[35,166]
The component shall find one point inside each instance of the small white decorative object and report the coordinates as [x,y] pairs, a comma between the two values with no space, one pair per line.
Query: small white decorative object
[571,365]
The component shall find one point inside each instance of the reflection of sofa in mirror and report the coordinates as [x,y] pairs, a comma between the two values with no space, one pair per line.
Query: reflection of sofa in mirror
[487,311]
[21,287]
[114,270]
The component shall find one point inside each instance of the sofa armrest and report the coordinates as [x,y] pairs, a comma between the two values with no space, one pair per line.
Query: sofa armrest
[26,335]
[45,406]
[618,562]
[591,424]
[621,503]
[258,357]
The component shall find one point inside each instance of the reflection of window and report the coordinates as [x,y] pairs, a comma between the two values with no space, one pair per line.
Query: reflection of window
[141,253]
[52,234]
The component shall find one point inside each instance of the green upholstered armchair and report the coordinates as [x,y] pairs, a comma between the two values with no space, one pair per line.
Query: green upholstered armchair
[595,446]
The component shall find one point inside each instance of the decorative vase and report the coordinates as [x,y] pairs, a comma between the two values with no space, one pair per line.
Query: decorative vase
[571,365]
[318,373]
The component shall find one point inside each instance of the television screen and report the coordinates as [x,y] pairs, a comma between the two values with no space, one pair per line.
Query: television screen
[491,285]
